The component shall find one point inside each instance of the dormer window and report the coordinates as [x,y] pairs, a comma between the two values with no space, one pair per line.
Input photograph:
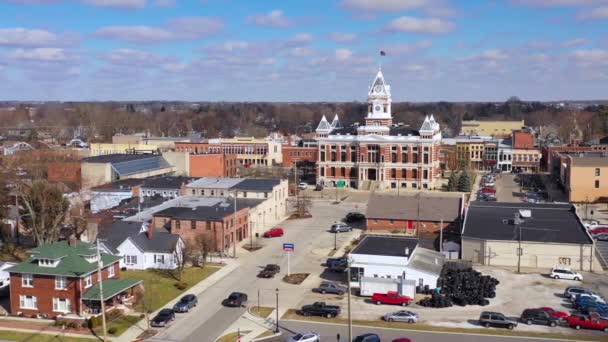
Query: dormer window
[91,258]
[48,262]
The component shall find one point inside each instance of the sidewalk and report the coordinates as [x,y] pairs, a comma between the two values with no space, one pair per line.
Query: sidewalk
[134,331]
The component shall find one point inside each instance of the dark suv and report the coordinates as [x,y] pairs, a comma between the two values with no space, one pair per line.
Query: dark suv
[496,319]
[538,316]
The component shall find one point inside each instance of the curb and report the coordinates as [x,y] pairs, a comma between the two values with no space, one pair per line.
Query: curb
[267,337]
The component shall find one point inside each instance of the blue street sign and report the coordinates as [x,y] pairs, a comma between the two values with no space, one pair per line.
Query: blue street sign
[288,247]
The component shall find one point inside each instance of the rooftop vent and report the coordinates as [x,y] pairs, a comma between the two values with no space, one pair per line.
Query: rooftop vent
[407,251]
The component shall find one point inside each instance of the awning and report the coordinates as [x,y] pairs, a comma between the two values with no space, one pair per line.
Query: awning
[111,287]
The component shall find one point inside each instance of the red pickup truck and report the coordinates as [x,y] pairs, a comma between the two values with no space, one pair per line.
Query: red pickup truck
[584,322]
[391,297]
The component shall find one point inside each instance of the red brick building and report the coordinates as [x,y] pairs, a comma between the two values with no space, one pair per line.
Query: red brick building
[412,212]
[67,173]
[62,278]
[214,222]
[213,165]
[294,153]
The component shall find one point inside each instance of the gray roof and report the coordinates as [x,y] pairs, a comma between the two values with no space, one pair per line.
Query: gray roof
[431,207]
[427,261]
[257,184]
[161,242]
[241,184]
[385,245]
[166,182]
[120,185]
[556,223]
[183,201]
[215,183]
[117,158]
[217,211]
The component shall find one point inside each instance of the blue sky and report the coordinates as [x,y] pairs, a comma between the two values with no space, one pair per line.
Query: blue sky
[308,50]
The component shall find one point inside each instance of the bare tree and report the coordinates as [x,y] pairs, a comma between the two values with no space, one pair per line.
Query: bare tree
[199,249]
[44,209]
[182,257]
[301,205]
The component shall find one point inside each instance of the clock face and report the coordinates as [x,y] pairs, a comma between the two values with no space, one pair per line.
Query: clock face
[378,88]
[377,108]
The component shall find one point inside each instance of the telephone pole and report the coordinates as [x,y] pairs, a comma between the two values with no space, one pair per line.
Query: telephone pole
[101,300]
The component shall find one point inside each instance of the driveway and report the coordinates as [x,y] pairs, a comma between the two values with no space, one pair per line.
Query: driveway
[312,245]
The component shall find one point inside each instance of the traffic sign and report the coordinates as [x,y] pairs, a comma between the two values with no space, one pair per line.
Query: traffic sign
[288,247]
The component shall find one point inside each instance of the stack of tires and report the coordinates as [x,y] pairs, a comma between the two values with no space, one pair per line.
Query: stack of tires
[467,287]
[436,301]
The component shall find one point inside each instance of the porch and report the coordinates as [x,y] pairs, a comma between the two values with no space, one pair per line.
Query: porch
[117,293]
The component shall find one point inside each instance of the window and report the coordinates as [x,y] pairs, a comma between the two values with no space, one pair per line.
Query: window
[265,195]
[391,221]
[193,224]
[88,281]
[111,271]
[597,184]
[131,259]
[61,305]
[208,225]
[343,171]
[322,172]
[61,283]
[212,192]
[27,280]
[28,302]
[159,258]
[244,194]
[564,261]
[178,224]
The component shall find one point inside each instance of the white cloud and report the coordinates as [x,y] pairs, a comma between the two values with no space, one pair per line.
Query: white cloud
[420,25]
[40,54]
[574,42]
[174,67]
[301,38]
[384,5]
[342,37]
[274,18]
[117,3]
[182,28]
[301,51]
[408,48]
[343,54]
[131,57]
[493,54]
[591,57]
[594,13]
[235,45]
[27,37]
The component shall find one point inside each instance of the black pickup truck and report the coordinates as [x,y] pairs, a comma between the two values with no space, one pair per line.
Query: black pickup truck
[269,271]
[320,309]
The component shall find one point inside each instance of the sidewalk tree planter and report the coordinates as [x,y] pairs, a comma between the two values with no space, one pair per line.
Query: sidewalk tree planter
[295,278]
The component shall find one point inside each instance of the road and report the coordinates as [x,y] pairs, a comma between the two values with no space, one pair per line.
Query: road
[329,331]
[312,242]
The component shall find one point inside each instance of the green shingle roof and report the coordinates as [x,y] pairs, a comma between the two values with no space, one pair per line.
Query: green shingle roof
[72,263]
[111,287]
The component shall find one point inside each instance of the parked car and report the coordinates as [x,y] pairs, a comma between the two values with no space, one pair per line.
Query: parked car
[269,271]
[538,316]
[598,230]
[565,273]
[367,338]
[591,296]
[320,309]
[590,304]
[401,316]
[339,265]
[335,261]
[600,237]
[330,287]
[340,228]
[555,313]
[596,312]
[274,232]
[236,299]
[305,337]
[391,297]
[496,319]
[572,291]
[354,217]
[186,303]
[585,322]
[163,318]
[302,186]
[590,224]
[488,191]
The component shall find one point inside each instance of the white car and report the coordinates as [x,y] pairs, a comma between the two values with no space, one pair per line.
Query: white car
[591,224]
[565,273]
[305,337]
[302,186]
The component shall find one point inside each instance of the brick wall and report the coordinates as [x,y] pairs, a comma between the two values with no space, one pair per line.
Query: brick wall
[64,172]
[298,153]
[213,165]
[523,140]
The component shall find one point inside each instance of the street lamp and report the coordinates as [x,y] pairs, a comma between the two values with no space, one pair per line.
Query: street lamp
[276,330]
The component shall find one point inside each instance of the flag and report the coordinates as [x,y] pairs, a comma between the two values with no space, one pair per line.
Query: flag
[382,53]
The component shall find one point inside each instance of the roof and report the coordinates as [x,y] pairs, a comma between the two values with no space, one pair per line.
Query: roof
[120,185]
[129,164]
[556,223]
[214,212]
[430,207]
[324,125]
[427,261]
[114,235]
[111,287]
[257,184]
[385,245]
[72,263]
[116,158]
[166,182]
[590,161]
[214,183]
[182,201]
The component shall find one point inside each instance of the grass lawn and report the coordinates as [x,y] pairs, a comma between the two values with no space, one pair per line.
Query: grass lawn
[266,333]
[160,286]
[262,311]
[120,324]
[292,315]
[232,337]
[30,337]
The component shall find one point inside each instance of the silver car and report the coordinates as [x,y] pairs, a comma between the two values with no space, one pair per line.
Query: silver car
[340,228]
[401,316]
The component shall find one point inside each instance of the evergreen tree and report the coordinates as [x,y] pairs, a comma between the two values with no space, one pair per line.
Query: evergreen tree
[464,182]
[453,182]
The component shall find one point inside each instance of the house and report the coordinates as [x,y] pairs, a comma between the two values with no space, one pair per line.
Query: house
[141,246]
[427,212]
[62,278]
[109,168]
[527,234]
[393,263]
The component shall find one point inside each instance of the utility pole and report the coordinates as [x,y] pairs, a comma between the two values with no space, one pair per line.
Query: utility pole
[350,319]
[441,235]
[336,240]
[418,215]
[103,306]
[234,227]
[519,251]
[276,330]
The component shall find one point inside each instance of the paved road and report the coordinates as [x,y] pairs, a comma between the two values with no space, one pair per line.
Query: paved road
[328,332]
[209,319]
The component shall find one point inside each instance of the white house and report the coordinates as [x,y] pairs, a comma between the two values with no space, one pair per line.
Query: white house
[393,263]
[141,246]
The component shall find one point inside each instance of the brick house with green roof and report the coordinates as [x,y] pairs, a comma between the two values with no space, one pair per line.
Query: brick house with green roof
[61,279]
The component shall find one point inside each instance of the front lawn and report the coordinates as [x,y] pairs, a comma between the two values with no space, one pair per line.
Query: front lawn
[34,337]
[160,286]
[119,325]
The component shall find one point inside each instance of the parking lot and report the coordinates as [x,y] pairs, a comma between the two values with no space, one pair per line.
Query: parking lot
[515,293]
[507,190]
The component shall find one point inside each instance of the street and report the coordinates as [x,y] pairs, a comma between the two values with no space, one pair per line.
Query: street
[329,332]
[210,319]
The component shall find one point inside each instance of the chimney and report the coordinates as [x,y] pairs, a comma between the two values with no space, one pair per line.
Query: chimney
[149,232]
[72,241]
[407,251]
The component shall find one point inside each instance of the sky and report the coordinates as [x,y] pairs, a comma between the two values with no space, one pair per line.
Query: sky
[302,50]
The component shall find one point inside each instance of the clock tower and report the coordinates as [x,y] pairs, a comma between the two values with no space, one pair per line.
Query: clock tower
[379,103]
